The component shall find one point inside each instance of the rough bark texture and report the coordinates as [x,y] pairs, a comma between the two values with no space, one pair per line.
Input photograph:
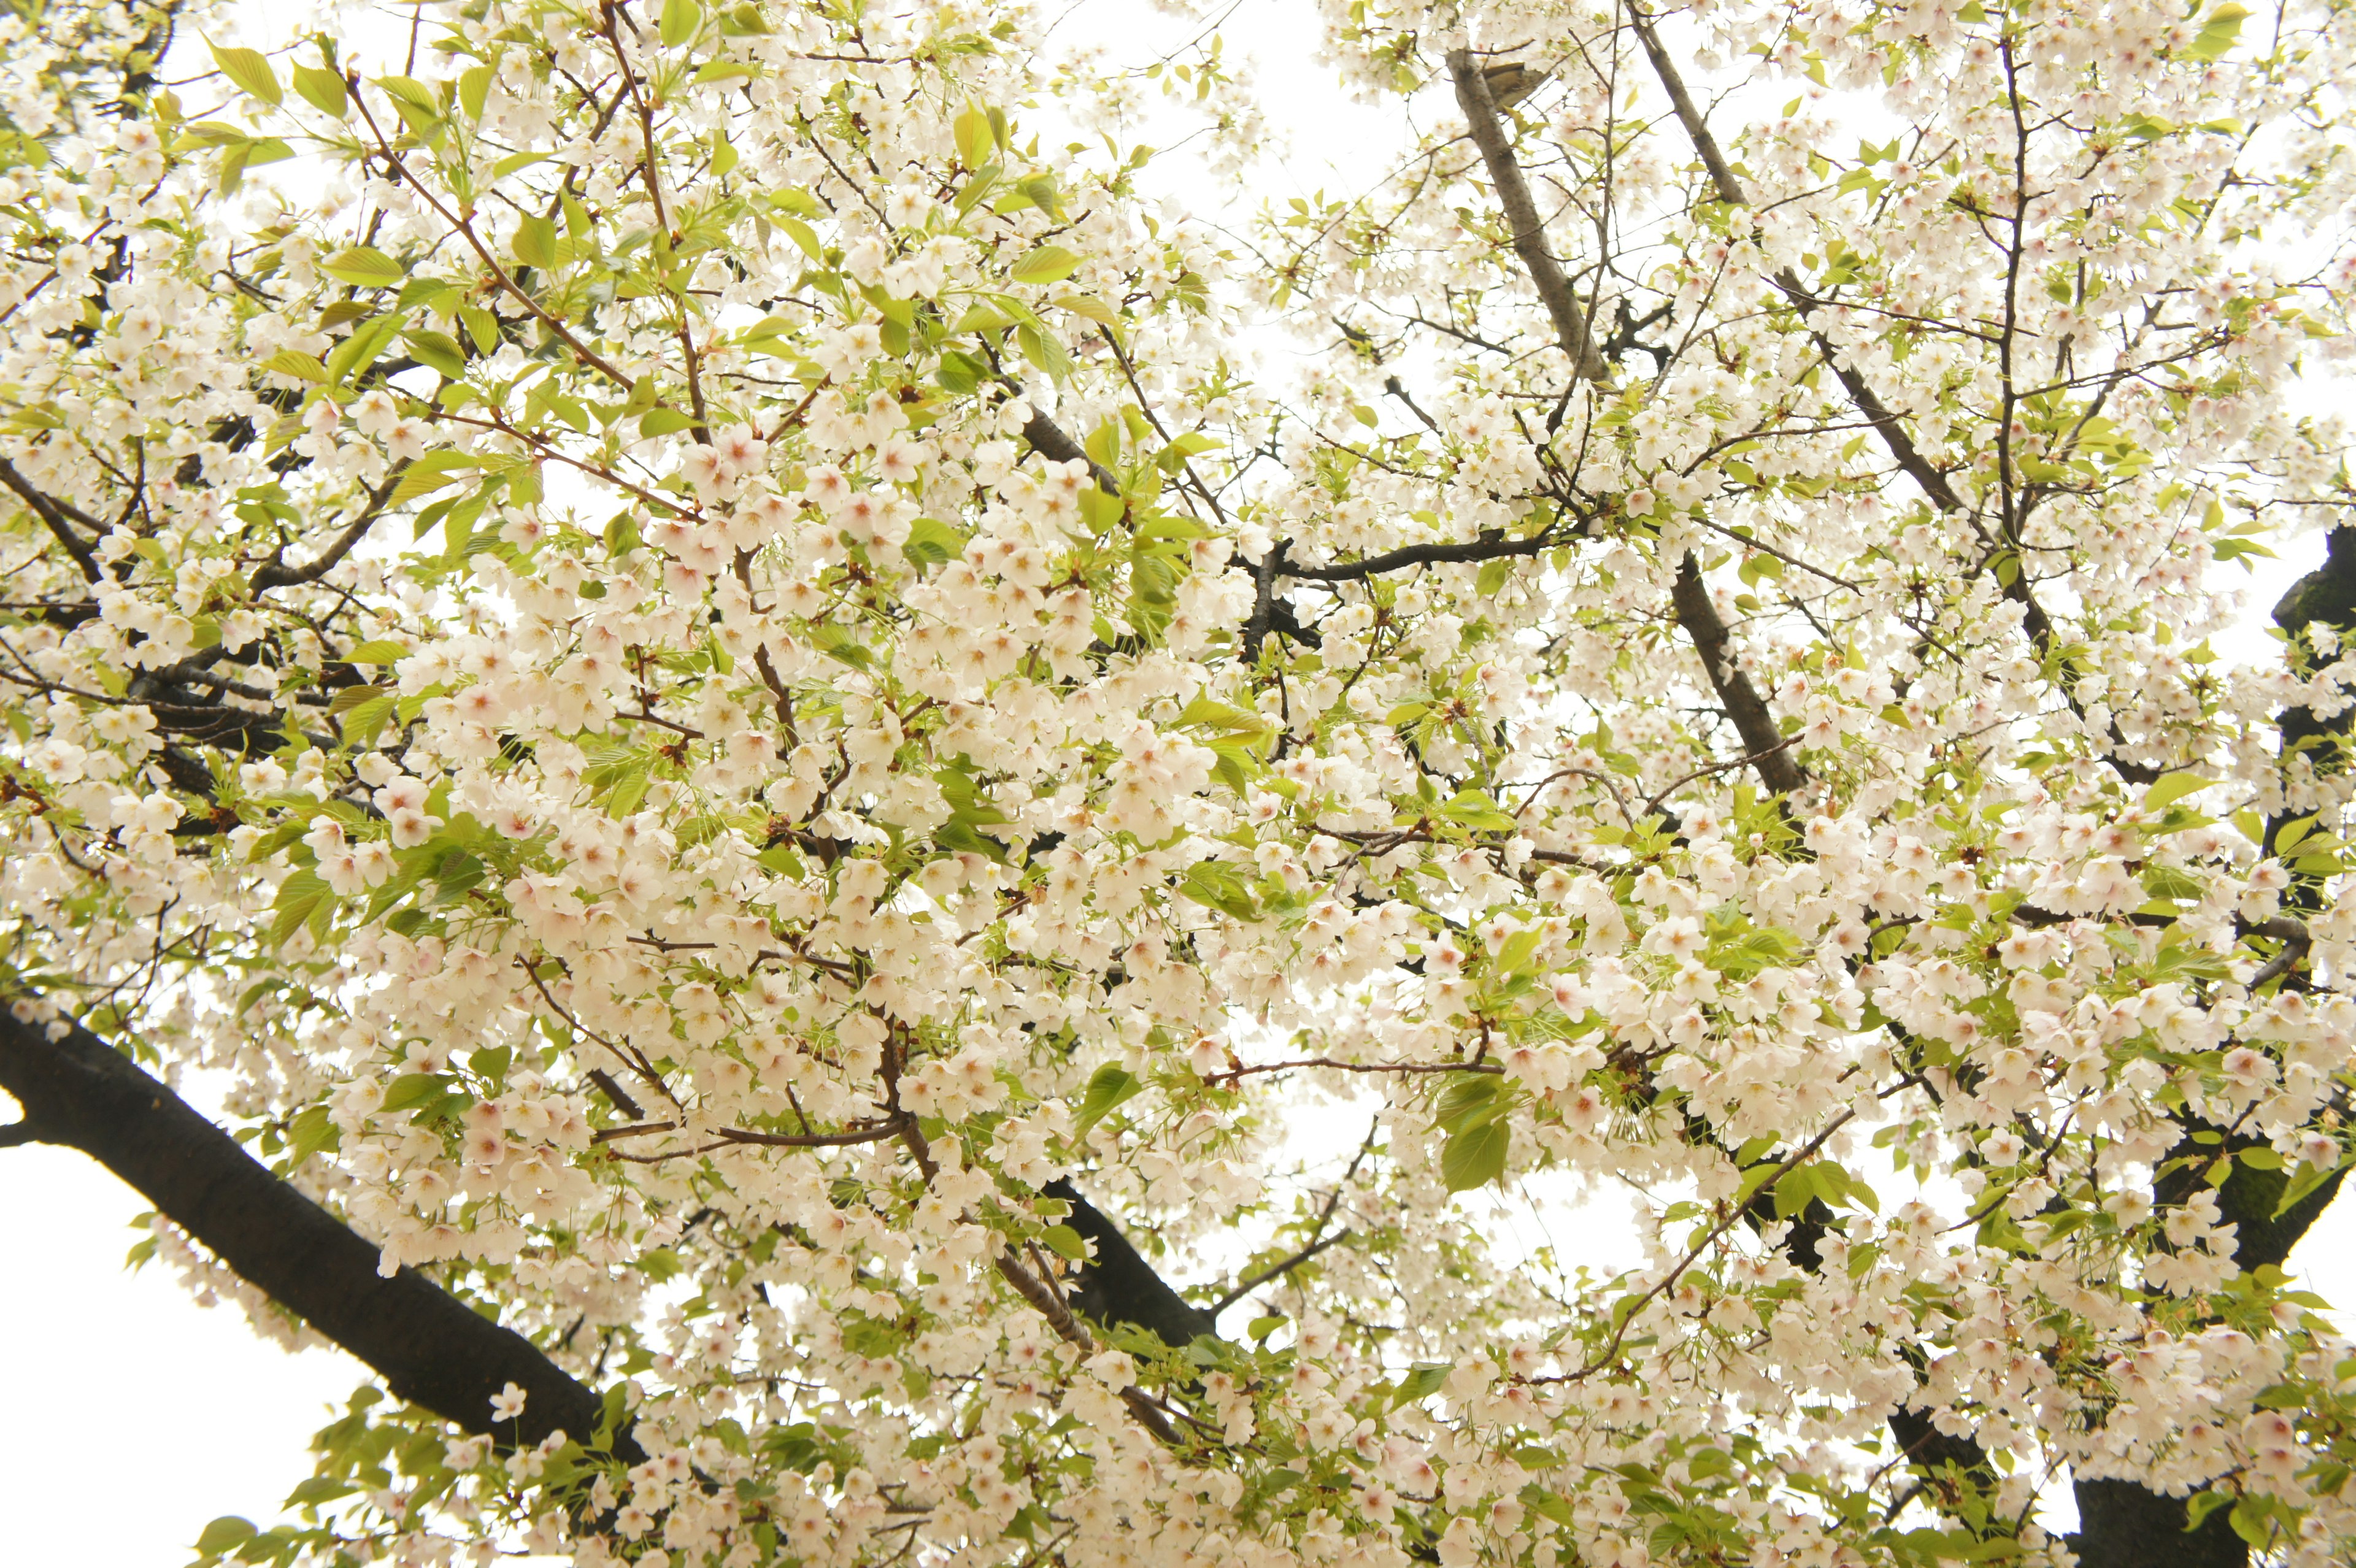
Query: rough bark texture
[430,1348]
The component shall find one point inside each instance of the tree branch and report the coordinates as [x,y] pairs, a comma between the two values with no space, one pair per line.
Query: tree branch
[274,573]
[1480,118]
[1117,1285]
[1770,751]
[1490,546]
[53,515]
[1277,1270]
[430,1348]
[1927,476]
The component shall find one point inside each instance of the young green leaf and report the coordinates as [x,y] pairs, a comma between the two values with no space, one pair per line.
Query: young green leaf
[250,69]
[323,89]
[1476,1156]
[364,267]
[1047,265]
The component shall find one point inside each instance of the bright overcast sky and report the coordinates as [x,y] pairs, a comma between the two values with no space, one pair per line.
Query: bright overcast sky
[115,1378]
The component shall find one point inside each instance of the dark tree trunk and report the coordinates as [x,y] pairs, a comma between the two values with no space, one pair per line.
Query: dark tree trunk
[432,1348]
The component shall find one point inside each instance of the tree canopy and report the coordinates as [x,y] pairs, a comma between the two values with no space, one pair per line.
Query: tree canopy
[899,855]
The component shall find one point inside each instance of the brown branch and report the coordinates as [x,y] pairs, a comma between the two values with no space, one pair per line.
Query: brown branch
[1117,1285]
[1490,546]
[1791,1162]
[1928,477]
[1277,1271]
[465,231]
[1480,118]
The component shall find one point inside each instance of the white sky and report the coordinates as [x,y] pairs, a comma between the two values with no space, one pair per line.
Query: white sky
[135,1416]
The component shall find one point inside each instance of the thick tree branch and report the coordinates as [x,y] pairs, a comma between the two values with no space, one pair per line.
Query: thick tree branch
[1117,1285]
[1760,738]
[1480,118]
[2326,596]
[1777,769]
[1491,546]
[1049,440]
[430,1348]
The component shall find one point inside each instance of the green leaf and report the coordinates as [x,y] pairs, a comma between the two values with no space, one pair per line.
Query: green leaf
[419,106]
[2201,1505]
[1108,1087]
[1422,1380]
[932,542]
[1475,809]
[1471,1101]
[1261,1327]
[225,1534]
[681,20]
[360,350]
[412,1090]
[438,351]
[474,91]
[1047,265]
[382,651]
[1519,949]
[975,140]
[726,71]
[351,697]
[253,77]
[1067,1243]
[310,1132]
[2220,33]
[805,239]
[316,1489]
[364,267]
[2249,1516]
[323,89]
[2299,1187]
[1794,1190]
[535,242]
[2171,788]
[1476,1156]
[429,473]
[299,896]
[290,362]
[664,422]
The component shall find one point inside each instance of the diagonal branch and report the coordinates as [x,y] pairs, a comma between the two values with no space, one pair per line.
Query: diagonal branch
[277,573]
[1777,770]
[54,516]
[432,1348]
[1481,119]
[1117,1285]
[1927,476]
[1769,748]
[1244,1288]
[1491,546]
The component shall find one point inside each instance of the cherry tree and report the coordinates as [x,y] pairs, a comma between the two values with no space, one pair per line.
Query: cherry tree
[896,854]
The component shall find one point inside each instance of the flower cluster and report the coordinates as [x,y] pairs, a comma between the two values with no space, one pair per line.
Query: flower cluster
[756,710]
